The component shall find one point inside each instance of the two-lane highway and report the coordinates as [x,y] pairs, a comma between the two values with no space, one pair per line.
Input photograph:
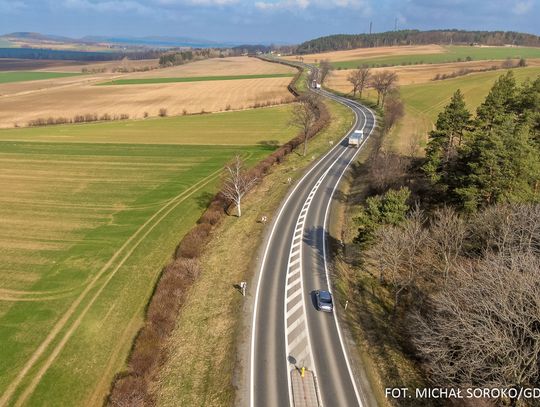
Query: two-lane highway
[287,330]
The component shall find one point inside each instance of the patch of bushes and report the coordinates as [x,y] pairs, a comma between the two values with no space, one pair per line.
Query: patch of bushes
[80,118]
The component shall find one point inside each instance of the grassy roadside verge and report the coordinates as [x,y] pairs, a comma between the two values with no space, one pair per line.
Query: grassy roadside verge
[368,316]
[202,349]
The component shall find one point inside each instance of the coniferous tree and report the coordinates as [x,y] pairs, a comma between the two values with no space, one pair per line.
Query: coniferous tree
[447,137]
[501,160]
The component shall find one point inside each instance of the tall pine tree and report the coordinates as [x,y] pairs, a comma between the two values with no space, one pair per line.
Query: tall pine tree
[447,137]
[500,161]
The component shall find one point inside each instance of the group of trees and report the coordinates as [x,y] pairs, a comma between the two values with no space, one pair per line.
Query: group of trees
[182,57]
[383,82]
[416,37]
[493,157]
[459,250]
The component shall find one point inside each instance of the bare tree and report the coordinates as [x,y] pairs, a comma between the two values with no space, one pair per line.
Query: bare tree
[483,329]
[387,254]
[238,182]
[394,110]
[359,79]
[446,238]
[324,69]
[383,82]
[387,169]
[304,115]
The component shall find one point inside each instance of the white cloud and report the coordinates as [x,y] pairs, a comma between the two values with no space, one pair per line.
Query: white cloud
[196,2]
[304,4]
[522,7]
[108,6]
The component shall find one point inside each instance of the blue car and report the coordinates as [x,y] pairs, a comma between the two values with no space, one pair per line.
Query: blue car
[324,301]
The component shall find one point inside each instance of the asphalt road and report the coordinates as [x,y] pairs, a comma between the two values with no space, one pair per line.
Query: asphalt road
[287,330]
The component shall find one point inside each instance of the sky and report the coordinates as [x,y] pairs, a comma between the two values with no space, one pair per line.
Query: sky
[261,21]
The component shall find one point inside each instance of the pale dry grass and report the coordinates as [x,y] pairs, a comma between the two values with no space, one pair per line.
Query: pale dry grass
[415,74]
[217,67]
[135,100]
[365,53]
[67,97]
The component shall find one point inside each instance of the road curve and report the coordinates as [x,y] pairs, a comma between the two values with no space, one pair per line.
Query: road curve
[287,330]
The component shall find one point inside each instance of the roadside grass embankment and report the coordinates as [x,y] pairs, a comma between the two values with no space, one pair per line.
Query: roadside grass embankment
[86,227]
[146,81]
[204,346]
[451,54]
[382,359]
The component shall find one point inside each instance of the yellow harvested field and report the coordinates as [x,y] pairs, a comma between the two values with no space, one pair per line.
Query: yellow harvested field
[362,53]
[135,100]
[217,67]
[415,74]
[21,102]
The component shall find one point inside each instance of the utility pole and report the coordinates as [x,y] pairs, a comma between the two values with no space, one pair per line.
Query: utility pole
[370,26]
[395,25]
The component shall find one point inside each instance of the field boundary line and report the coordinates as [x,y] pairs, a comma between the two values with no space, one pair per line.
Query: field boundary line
[64,319]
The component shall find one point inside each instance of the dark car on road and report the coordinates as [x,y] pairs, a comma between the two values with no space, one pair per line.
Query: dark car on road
[324,301]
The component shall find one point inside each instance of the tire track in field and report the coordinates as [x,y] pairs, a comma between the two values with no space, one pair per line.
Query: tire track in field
[167,208]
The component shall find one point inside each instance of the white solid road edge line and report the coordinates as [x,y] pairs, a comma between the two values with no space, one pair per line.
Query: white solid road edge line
[357,393]
[265,255]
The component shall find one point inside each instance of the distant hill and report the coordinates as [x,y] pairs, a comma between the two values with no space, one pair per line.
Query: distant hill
[160,42]
[37,36]
[37,40]
[416,37]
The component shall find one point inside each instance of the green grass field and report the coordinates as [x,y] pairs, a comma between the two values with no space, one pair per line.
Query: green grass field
[452,54]
[86,225]
[243,127]
[423,102]
[23,76]
[148,81]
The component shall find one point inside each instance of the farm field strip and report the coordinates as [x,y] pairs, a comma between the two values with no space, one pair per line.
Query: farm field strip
[416,74]
[22,76]
[451,54]
[77,270]
[373,52]
[146,81]
[138,101]
[211,129]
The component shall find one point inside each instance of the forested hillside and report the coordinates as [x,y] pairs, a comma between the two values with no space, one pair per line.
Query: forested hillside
[416,37]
